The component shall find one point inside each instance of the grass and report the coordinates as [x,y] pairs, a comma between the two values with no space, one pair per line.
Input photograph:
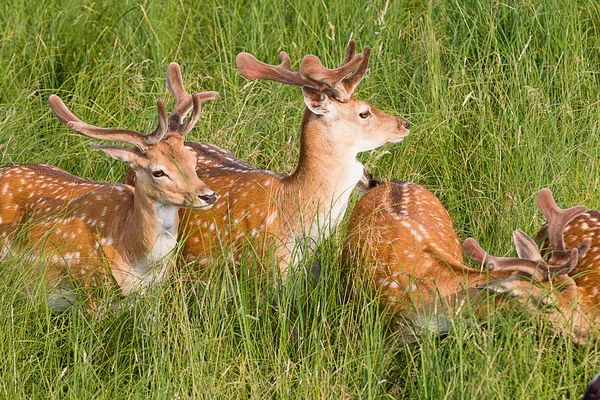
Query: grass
[503,99]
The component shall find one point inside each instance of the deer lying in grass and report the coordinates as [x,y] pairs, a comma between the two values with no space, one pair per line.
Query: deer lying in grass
[275,211]
[90,234]
[404,236]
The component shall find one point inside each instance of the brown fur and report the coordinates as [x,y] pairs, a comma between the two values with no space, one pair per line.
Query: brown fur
[92,234]
[402,240]
[274,211]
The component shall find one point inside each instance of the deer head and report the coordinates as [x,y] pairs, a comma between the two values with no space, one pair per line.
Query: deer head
[328,96]
[164,168]
[542,284]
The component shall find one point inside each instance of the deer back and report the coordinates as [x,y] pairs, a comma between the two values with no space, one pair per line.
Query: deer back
[401,235]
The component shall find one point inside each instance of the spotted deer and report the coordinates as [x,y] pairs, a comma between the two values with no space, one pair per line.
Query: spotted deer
[89,234]
[402,240]
[272,211]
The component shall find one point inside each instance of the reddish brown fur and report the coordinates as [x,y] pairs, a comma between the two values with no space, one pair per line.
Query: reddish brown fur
[587,273]
[269,209]
[274,211]
[89,234]
[403,237]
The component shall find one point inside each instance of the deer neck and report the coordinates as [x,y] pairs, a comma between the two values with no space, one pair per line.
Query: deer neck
[150,233]
[327,171]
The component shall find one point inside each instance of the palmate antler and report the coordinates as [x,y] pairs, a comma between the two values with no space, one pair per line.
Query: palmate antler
[334,82]
[139,140]
[184,103]
[530,261]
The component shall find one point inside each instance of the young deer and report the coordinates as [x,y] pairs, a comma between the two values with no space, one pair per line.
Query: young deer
[403,234]
[90,234]
[276,211]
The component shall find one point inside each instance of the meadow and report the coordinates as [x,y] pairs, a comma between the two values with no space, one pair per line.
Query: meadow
[503,99]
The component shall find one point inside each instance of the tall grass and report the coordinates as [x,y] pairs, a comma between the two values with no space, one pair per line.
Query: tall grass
[503,99]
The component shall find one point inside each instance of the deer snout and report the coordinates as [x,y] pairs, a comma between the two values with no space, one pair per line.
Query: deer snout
[209,199]
[402,130]
[403,127]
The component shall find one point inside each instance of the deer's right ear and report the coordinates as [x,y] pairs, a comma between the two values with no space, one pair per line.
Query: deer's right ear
[317,102]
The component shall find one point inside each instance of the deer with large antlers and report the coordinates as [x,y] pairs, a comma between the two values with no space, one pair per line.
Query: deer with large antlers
[274,211]
[89,234]
[403,239]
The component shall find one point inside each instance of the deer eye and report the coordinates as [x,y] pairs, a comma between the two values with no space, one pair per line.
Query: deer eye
[365,114]
[158,174]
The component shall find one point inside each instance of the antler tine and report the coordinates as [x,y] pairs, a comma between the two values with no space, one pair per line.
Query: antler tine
[251,68]
[353,80]
[120,135]
[162,128]
[191,121]
[60,110]
[557,219]
[350,52]
[183,101]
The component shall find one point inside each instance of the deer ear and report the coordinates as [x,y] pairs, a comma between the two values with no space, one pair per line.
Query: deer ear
[513,286]
[317,102]
[129,156]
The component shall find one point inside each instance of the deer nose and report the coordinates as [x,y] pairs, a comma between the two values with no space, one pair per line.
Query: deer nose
[406,125]
[208,198]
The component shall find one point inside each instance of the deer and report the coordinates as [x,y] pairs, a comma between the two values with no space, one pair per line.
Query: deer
[273,212]
[88,235]
[402,242]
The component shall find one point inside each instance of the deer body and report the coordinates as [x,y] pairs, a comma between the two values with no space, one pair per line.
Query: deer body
[402,239]
[71,228]
[403,236]
[263,205]
[87,234]
[277,212]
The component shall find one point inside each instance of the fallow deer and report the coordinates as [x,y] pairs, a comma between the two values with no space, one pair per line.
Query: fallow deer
[89,234]
[403,239]
[275,211]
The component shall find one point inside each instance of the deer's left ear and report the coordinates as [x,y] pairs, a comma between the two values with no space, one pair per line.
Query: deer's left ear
[317,102]
[119,153]
[513,285]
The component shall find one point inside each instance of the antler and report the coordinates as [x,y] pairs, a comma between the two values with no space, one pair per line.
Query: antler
[557,219]
[536,267]
[184,101]
[334,82]
[530,261]
[137,139]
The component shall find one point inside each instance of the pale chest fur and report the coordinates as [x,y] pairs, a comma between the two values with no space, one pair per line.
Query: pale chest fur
[333,203]
[320,220]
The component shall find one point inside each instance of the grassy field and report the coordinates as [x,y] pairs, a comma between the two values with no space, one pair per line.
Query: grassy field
[503,99]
